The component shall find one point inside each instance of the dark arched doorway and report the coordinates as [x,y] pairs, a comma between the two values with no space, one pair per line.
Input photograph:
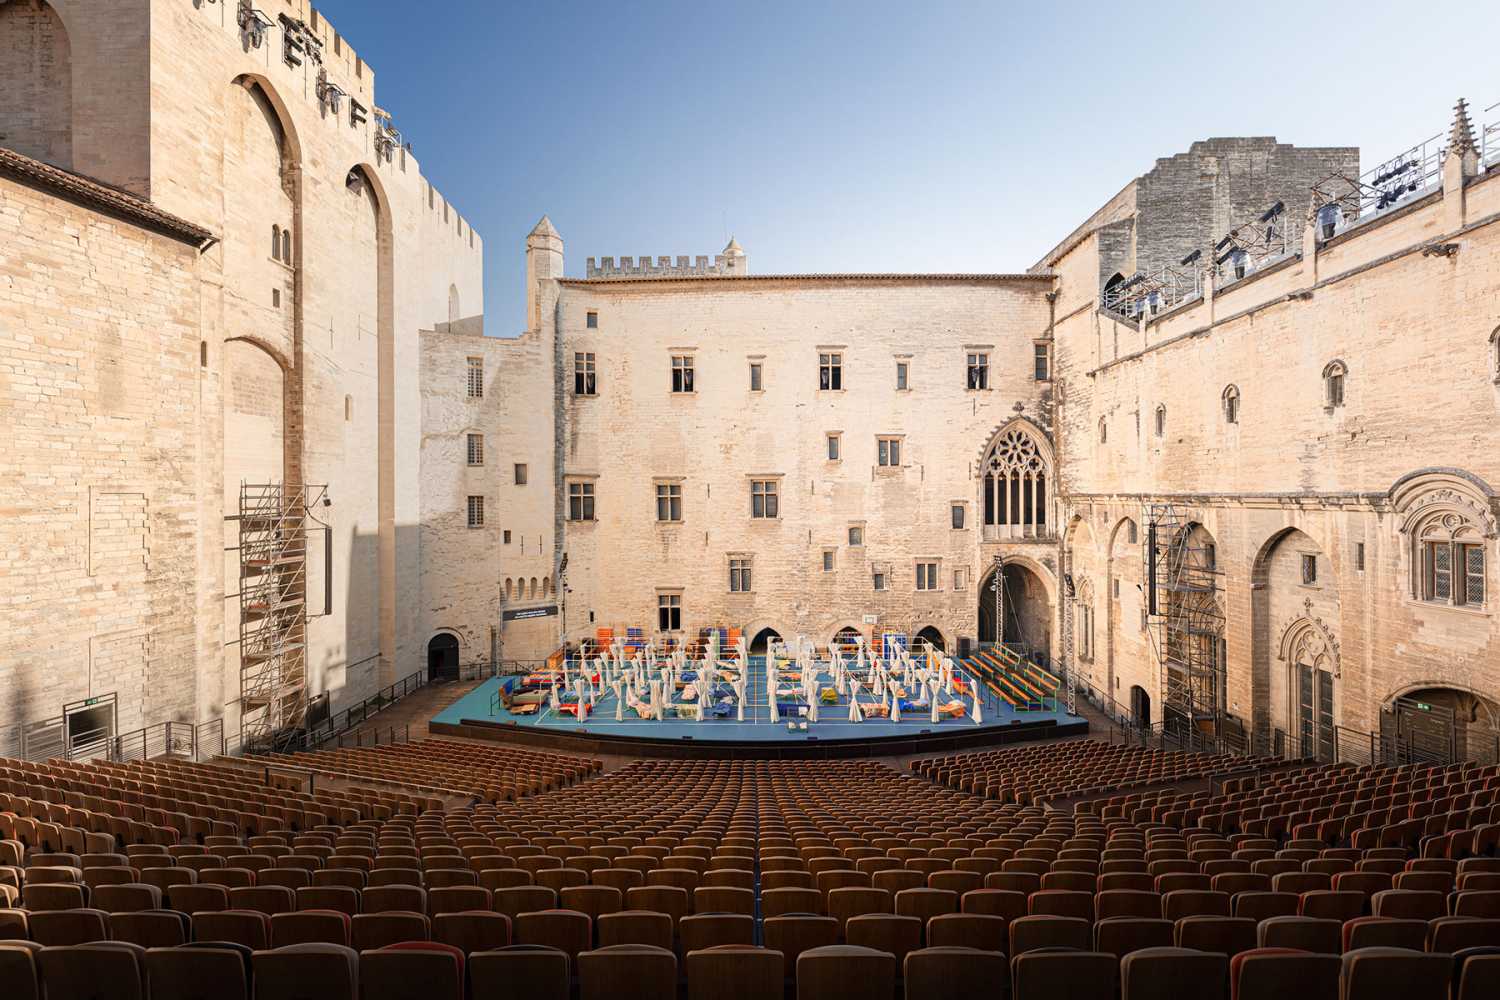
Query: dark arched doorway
[1444,721]
[1028,612]
[442,657]
[847,640]
[1140,706]
[763,639]
[932,636]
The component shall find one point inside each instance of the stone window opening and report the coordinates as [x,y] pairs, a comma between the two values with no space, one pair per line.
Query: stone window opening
[831,372]
[591,320]
[275,241]
[958,515]
[960,579]
[585,379]
[833,447]
[1495,353]
[475,385]
[286,247]
[1042,362]
[520,473]
[1333,385]
[1448,527]
[476,512]
[682,373]
[888,452]
[1359,556]
[978,367]
[903,371]
[927,575]
[1309,569]
[856,535]
[669,502]
[828,557]
[1161,420]
[1231,404]
[580,501]
[1015,485]
[476,449]
[877,579]
[1103,431]
[764,499]
[756,384]
[669,612]
[739,575]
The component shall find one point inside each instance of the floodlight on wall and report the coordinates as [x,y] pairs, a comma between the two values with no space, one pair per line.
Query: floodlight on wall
[1273,211]
[253,24]
[358,113]
[330,94]
[1191,258]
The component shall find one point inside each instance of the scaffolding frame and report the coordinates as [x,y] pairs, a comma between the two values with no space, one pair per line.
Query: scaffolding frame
[274,521]
[1185,617]
[1146,294]
[1252,245]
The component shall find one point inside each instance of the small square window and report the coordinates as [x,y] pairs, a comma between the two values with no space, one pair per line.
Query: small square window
[476,512]
[739,576]
[833,447]
[827,560]
[1309,569]
[957,511]
[755,377]
[927,576]
[476,449]
[1359,556]
[682,373]
[959,579]
[507,536]
[856,535]
[902,371]
[520,474]
[591,320]
[878,580]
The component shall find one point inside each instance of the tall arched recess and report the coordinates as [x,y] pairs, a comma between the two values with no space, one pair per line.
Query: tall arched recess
[386,487]
[36,82]
[1015,483]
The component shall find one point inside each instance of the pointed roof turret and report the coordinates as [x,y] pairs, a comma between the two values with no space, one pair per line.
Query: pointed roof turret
[1461,136]
[734,249]
[544,228]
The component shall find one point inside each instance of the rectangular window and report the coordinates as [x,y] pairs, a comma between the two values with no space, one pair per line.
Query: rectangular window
[739,576]
[1042,361]
[1471,558]
[669,612]
[879,580]
[856,535]
[901,374]
[1439,571]
[669,501]
[476,512]
[763,498]
[580,501]
[755,383]
[979,371]
[888,451]
[591,320]
[507,536]
[1309,569]
[830,371]
[1335,390]
[476,449]
[927,576]
[584,383]
[827,560]
[833,447]
[957,512]
[959,579]
[682,373]
[520,474]
[1359,556]
[1211,555]
[476,378]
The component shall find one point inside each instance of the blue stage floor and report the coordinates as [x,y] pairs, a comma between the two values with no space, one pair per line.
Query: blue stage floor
[833,721]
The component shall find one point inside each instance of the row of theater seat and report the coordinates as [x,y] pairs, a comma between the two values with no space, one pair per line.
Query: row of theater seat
[427,971]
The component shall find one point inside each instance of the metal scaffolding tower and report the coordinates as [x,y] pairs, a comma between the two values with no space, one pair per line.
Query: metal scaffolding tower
[273,548]
[1186,618]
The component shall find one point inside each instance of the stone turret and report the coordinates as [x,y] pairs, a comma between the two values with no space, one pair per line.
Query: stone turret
[544,262]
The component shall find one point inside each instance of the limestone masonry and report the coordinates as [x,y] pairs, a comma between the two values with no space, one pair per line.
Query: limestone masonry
[1228,447]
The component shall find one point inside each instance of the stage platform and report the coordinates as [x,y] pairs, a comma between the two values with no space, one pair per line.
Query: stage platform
[479,715]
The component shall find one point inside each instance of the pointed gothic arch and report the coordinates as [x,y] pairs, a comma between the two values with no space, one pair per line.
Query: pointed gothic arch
[1015,469]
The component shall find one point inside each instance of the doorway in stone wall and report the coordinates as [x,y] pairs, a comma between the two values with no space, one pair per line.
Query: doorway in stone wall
[442,657]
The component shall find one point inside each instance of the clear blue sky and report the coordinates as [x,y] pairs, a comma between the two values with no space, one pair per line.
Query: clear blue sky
[875,136]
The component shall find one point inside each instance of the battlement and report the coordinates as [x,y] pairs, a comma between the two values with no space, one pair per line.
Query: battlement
[731,263]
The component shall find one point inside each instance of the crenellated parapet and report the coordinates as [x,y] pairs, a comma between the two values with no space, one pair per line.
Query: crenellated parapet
[731,263]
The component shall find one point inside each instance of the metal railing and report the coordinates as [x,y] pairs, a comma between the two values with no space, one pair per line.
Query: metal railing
[357,714]
[180,740]
[1489,139]
[1147,294]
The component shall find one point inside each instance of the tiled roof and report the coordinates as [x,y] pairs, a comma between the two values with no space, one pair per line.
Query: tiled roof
[101,196]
